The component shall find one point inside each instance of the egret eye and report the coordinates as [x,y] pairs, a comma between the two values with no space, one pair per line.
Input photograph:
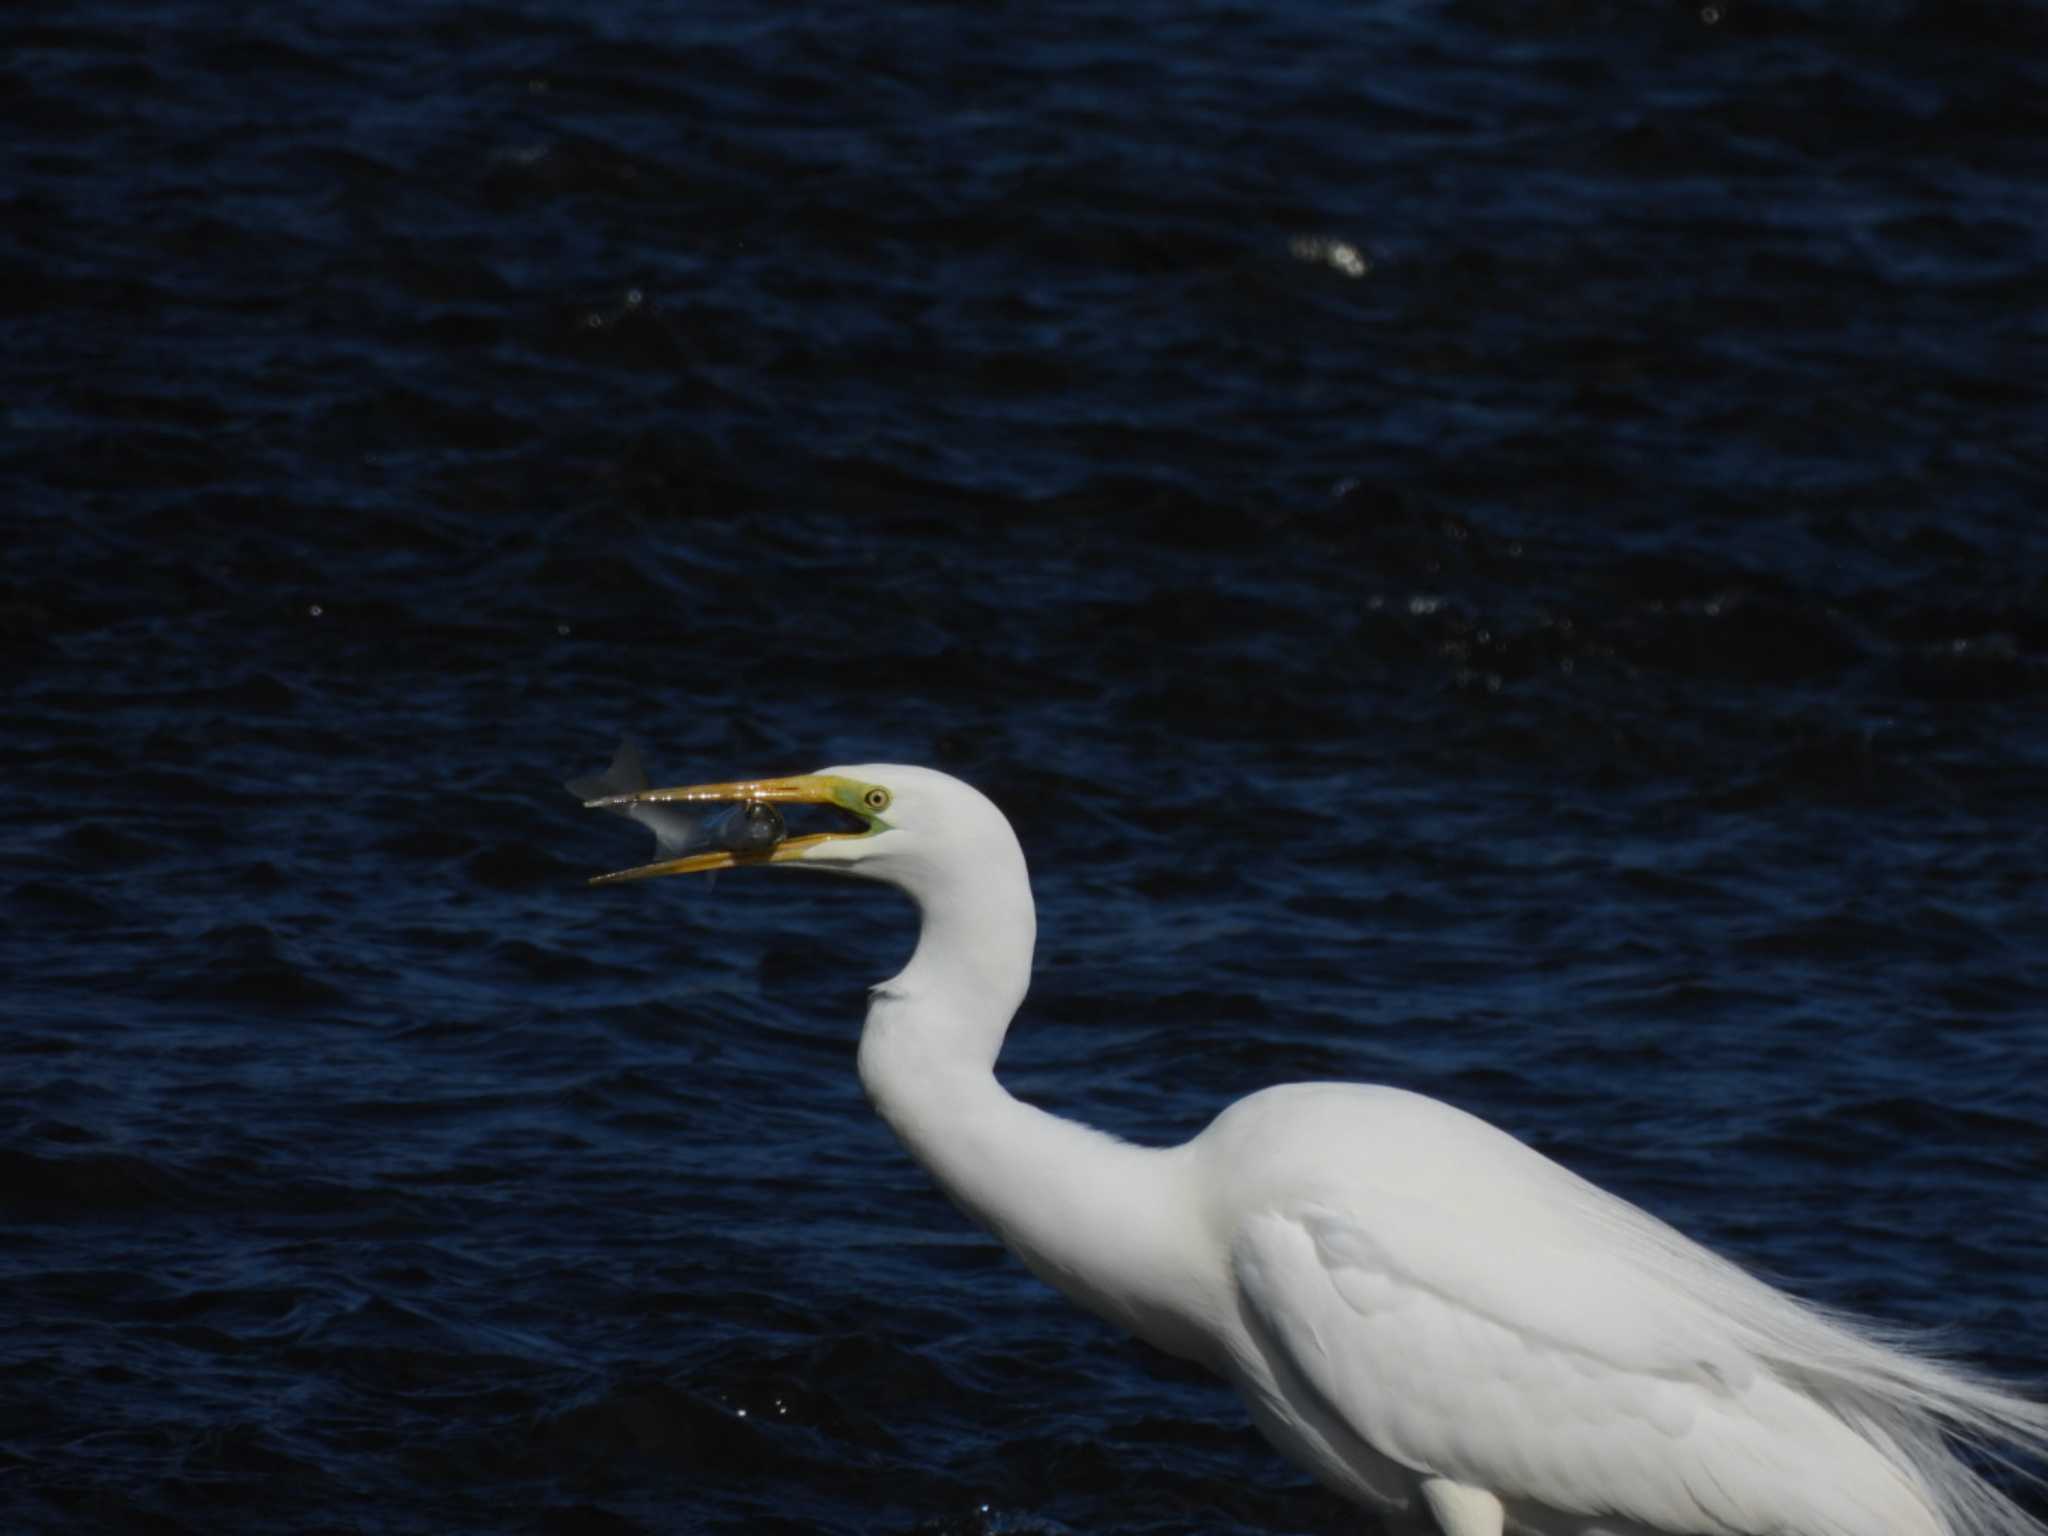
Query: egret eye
[876,799]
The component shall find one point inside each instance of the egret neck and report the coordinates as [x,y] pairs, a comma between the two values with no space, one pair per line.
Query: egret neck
[1104,1221]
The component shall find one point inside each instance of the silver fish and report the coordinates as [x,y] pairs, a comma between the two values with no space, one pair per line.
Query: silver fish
[751,827]
[754,827]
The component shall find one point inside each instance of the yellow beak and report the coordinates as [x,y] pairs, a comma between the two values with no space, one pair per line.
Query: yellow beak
[864,801]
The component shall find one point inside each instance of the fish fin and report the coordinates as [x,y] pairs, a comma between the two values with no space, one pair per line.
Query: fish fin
[624,777]
[675,832]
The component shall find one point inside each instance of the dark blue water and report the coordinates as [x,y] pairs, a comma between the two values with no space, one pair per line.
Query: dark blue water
[1494,548]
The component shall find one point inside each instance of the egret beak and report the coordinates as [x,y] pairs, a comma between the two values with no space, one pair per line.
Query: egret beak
[863,802]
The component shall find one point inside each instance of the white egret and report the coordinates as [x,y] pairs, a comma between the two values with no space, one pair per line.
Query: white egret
[1431,1318]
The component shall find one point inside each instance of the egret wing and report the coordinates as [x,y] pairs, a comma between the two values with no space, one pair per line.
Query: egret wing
[1525,1356]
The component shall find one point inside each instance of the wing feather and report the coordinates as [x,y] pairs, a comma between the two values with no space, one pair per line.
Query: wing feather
[1548,1371]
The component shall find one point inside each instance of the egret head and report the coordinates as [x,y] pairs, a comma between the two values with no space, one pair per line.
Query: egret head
[882,820]
[939,841]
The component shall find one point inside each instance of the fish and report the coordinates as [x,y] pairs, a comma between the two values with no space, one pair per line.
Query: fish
[754,826]
[751,826]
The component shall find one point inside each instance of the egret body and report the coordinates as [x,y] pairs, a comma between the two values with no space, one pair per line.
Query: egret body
[1431,1318]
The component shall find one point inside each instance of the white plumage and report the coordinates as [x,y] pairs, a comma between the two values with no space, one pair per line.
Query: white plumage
[1433,1319]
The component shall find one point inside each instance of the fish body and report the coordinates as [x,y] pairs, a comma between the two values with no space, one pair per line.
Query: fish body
[675,830]
[751,826]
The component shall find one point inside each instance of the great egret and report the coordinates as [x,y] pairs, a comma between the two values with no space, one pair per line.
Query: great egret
[1431,1318]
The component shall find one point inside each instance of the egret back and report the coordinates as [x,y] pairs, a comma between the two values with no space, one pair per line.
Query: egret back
[1475,1311]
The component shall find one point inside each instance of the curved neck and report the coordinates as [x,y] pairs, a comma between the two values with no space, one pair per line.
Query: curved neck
[970,971]
[1102,1220]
